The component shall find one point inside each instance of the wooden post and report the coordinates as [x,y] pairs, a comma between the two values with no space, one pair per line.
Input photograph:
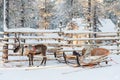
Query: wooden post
[59,40]
[118,34]
[5,50]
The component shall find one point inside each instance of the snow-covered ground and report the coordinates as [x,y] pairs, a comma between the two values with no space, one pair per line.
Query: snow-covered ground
[60,71]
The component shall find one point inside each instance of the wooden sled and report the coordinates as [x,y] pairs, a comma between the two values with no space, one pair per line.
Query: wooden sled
[86,61]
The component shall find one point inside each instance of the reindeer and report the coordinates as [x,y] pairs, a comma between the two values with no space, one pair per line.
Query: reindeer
[36,50]
[97,52]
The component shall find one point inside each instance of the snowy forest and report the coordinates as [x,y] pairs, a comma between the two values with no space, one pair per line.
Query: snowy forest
[47,14]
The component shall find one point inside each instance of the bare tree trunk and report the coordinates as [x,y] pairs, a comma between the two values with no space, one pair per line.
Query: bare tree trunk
[45,18]
[22,13]
[89,18]
[95,21]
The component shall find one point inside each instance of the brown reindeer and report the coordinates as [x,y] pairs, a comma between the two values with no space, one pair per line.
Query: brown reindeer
[97,52]
[30,52]
[36,50]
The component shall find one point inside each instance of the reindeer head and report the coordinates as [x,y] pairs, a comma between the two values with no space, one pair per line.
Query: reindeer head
[17,48]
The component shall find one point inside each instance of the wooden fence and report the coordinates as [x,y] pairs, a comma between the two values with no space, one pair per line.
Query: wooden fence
[55,39]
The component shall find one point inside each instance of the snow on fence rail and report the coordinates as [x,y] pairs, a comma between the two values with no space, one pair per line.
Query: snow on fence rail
[62,44]
[107,38]
[62,38]
[30,30]
[36,37]
[88,32]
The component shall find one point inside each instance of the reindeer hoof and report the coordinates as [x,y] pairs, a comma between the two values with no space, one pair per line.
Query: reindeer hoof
[106,62]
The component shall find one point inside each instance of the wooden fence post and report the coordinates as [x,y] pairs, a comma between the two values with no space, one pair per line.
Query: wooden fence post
[5,49]
[59,40]
[118,34]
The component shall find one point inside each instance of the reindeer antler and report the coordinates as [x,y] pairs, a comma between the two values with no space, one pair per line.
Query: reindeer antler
[18,47]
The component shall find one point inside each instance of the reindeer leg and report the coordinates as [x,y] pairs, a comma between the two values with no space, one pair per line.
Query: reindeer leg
[45,59]
[42,61]
[29,60]
[32,59]
[77,59]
